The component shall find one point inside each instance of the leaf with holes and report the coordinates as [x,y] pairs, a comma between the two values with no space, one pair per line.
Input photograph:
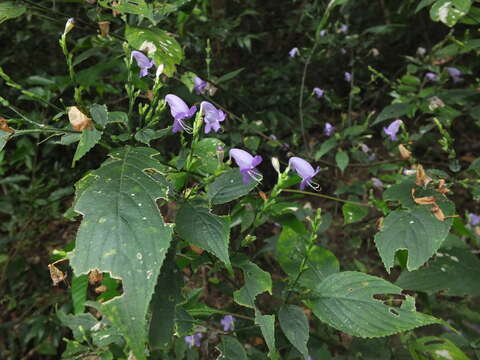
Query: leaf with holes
[416,230]
[436,348]
[197,225]
[450,11]
[345,301]
[123,233]
[158,45]
[294,324]
[257,281]
[454,271]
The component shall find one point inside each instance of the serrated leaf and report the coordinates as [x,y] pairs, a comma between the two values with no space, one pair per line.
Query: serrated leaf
[99,114]
[123,233]
[197,225]
[257,281]
[416,230]
[89,138]
[345,301]
[10,10]
[353,213]
[291,250]
[267,327]
[455,272]
[228,186]
[167,295]
[449,11]
[435,348]
[166,50]
[79,293]
[342,160]
[393,111]
[205,152]
[231,349]
[294,324]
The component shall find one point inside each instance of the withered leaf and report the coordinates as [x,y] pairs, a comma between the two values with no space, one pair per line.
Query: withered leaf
[438,213]
[404,153]
[94,277]
[422,178]
[442,188]
[78,120]
[4,126]
[425,200]
[56,274]
[100,289]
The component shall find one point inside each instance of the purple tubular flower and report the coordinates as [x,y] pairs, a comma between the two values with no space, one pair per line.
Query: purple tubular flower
[199,85]
[455,74]
[323,32]
[474,219]
[347,76]
[364,148]
[193,340]
[143,62]
[377,183]
[318,92]
[392,129]
[329,129]
[212,116]
[343,28]
[247,164]
[431,76]
[305,171]
[294,52]
[180,111]
[227,322]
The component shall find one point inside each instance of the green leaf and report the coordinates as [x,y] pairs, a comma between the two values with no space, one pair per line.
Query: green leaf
[195,224]
[99,114]
[229,76]
[394,111]
[205,153]
[325,148]
[231,349]
[435,348]
[89,138]
[424,4]
[401,192]
[167,295]
[291,250]
[160,46]
[353,213]
[135,7]
[342,160]
[77,323]
[228,186]
[455,272]
[4,135]
[123,233]
[294,324]
[257,281]
[79,293]
[118,117]
[267,327]
[146,135]
[416,230]
[10,10]
[345,301]
[449,11]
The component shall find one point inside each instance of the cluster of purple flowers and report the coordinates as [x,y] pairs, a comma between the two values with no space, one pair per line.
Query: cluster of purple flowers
[227,323]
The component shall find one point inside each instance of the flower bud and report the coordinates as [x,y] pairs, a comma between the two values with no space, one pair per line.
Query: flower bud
[220,153]
[69,26]
[276,164]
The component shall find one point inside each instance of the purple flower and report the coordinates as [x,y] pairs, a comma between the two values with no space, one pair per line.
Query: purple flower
[347,76]
[474,219]
[247,164]
[329,129]
[180,111]
[318,92]
[143,62]
[305,171]
[392,129]
[199,85]
[364,148]
[212,116]
[343,28]
[377,183]
[294,52]
[323,32]
[431,76]
[193,340]
[455,74]
[227,322]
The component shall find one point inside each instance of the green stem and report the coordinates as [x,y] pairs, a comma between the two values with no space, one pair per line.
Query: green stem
[326,197]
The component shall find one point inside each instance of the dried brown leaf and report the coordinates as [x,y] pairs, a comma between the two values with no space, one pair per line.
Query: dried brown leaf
[438,213]
[404,153]
[100,289]
[94,277]
[422,178]
[56,274]
[78,120]
[4,126]
[442,188]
